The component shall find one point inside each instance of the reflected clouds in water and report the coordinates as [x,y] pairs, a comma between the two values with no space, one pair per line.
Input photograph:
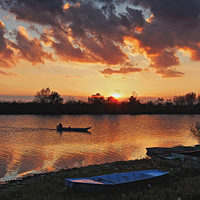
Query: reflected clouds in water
[31,143]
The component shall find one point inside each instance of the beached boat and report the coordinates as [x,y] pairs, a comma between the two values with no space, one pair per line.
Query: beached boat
[154,151]
[97,184]
[177,156]
[189,160]
[72,129]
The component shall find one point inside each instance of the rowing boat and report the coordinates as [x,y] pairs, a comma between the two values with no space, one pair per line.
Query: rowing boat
[72,129]
[102,183]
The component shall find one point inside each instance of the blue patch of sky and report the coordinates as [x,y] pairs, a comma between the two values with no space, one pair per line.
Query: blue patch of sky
[11,23]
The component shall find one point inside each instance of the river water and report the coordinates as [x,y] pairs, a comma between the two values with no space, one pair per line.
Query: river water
[30,144]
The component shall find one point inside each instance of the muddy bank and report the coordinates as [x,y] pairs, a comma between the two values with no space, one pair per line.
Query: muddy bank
[182,183]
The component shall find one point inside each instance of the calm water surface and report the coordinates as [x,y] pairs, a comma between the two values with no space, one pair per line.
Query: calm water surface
[30,143]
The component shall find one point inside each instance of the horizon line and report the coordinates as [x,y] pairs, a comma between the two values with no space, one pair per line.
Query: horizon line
[28,98]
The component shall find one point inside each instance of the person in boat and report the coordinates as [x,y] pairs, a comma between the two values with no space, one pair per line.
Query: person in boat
[60,125]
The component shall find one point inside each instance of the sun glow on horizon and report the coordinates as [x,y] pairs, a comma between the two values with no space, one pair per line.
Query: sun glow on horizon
[116,96]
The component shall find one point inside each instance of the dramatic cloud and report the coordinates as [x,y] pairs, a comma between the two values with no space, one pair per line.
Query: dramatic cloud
[122,70]
[174,25]
[30,49]
[41,12]
[24,48]
[162,63]
[97,31]
[181,11]
[7,59]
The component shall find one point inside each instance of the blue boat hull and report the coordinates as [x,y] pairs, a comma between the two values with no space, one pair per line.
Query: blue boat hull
[103,183]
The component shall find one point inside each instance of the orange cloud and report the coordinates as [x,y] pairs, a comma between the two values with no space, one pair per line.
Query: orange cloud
[150,19]
[194,52]
[30,49]
[87,49]
[122,70]
[163,63]
[66,6]
[7,58]
[7,74]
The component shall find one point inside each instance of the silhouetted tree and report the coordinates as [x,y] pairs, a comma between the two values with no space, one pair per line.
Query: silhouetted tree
[111,99]
[55,98]
[190,98]
[179,100]
[46,96]
[160,101]
[42,96]
[198,99]
[132,100]
[96,99]
[182,100]
[168,102]
[195,129]
[71,100]
[150,103]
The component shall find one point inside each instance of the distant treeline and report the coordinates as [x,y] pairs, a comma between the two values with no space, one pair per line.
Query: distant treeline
[46,102]
[86,108]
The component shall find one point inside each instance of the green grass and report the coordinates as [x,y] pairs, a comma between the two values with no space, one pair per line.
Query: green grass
[181,183]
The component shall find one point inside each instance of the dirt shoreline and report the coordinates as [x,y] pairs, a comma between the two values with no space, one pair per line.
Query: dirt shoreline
[117,166]
[180,183]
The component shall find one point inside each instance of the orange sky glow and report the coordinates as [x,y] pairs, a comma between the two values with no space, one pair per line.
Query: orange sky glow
[80,48]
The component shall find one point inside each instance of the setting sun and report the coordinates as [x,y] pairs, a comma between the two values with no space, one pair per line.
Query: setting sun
[116,96]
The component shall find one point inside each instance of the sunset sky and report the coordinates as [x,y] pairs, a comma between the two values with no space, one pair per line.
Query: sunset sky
[82,47]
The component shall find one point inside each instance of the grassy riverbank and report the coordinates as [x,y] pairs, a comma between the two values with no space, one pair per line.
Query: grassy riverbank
[181,183]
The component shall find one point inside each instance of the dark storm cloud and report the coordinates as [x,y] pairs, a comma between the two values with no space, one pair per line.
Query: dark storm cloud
[38,11]
[88,18]
[135,17]
[53,6]
[99,33]
[43,12]
[94,36]
[175,25]
[95,31]
[173,10]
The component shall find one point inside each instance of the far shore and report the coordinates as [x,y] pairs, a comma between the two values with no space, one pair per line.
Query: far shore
[79,108]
